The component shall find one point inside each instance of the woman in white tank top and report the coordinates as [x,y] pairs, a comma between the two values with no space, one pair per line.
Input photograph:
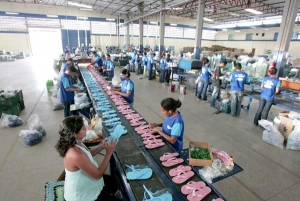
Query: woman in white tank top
[84,179]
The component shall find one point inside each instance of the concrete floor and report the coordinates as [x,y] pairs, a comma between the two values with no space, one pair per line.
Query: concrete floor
[269,172]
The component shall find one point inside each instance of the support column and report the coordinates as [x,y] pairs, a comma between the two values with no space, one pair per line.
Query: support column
[200,15]
[162,28]
[127,41]
[118,31]
[285,34]
[141,11]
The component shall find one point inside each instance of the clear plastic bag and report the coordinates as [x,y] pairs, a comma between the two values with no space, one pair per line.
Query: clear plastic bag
[268,125]
[293,141]
[216,170]
[35,124]
[96,124]
[31,137]
[273,137]
[57,105]
[222,155]
[8,120]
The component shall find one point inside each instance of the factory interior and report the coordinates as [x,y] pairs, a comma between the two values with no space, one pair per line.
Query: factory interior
[154,100]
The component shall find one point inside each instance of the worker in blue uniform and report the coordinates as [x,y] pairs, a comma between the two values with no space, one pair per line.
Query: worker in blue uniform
[269,87]
[70,62]
[144,64]
[127,87]
[168,68]
[150,64]
[137,61]
[173,126]
[204,81]
[66,51]
[110,67]
[96,61]
[238,78]
[67,90]
[132,62]
[163,64]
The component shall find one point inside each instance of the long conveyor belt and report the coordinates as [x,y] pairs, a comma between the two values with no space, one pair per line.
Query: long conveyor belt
[130,150]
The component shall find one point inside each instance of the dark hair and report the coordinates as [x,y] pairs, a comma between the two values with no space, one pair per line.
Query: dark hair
[153,54]
[205,61]
[108,55]
[224,62]
[94,52]
[236,56]
[70,59]
[145,53]
[170,104]
[69,127]
[125,72]
[272,71]
[72,69]
[238,66]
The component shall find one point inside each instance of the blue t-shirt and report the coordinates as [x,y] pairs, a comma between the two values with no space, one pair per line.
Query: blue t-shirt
[104,62]
[163,63]
[67,51]
[110,65]
[150,62]
[174,126]
[128,85]
[133,58]
[65,83]
[269,88]
[65,67]
[98,60]
[137,58]
[205,73]
[238,79]
[144,60]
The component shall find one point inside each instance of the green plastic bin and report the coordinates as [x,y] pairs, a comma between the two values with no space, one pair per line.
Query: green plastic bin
[49,85]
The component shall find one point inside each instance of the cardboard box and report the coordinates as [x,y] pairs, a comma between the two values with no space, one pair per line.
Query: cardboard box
[286,113]
[286,126]
[200,162]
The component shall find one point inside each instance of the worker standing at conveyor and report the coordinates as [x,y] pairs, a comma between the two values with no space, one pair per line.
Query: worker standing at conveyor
[132,62]
[204,81]
[110,67]
[167,69]
[144,64]
[136,61]
[269,87]
[217,82]
[173,126]
[67,90]
[70,62]
[163,64]
[238,79]
[127,87]
[96,61]
[150,63]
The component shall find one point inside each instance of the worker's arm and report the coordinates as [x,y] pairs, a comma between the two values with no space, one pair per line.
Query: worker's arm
[68,87]
[153,125]
[278,87]
[175,133]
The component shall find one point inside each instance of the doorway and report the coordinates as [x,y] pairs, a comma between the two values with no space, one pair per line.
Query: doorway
[45,43]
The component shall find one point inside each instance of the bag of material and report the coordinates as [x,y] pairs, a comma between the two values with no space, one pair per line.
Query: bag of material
[57,105]
[293,141]
[211,172]
[273,137]
[31,137]
[8,120]
[96,124]
[35,124]
[268,125]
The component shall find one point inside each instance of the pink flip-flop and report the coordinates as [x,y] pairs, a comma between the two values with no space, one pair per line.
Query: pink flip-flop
[199,194]
[140,128]
[182,177]
[137,123]
[149,135]
[145,131]
[179,169]
[126,111]
[167,156]
[218,199]
[153,145]
[172,161]
[191,186]
[136,119]
[132,116]
[149,140]
[123,107]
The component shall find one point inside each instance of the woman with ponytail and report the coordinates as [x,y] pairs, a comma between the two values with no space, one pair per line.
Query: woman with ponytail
[85,179]
[173,126]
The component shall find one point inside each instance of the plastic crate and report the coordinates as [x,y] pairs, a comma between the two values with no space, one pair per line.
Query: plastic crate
[14,110]
[9,102]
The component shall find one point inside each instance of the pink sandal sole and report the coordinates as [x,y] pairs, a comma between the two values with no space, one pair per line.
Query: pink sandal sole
[179,169]
[198,195]
[183,177]
[172,161]
[191,186]
[167,156]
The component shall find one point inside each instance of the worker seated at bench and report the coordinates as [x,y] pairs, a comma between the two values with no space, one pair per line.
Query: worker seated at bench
[85,179]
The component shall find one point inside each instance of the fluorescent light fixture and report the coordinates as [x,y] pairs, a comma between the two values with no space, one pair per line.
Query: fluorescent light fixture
[207,19]
[266,29]
[256,12]
[237,31]
[249,24]
[153,22]
[224,26]
[79,5]
[224,29]
[54,16]
[11,13]
[82,18]
[110,19]
[86,9]
[173,24]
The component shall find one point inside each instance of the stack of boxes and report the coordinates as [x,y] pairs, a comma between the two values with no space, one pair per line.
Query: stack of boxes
[12,104]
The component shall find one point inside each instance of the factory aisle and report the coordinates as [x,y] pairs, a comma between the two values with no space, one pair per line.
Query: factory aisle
[269,173]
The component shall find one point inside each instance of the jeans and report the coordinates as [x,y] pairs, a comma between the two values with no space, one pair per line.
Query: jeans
[236,102]
[145,71]
[203,88]
[131,68]
[150,73]
[263,110]
[67,111]
[215,95]
[168,74]
[162,76]
[136,65]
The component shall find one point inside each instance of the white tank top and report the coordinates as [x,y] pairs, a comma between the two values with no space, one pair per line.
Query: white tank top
[81,187]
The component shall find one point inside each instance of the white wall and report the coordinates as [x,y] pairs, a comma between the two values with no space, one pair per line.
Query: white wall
[15,43]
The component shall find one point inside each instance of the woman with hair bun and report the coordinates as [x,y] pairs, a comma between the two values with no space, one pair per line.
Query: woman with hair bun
[173,126]
[85,179]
